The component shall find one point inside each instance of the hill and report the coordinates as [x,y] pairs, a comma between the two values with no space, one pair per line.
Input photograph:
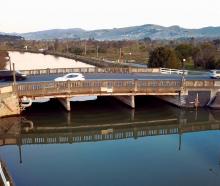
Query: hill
[127,33]
[5,37]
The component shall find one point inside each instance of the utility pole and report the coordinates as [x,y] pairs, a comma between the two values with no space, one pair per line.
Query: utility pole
[14,76]
[120,55]
[97,51]
[85,49]
[10,63]
[183,72]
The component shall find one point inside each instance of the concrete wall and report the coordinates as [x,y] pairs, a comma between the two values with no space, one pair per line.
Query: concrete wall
[203,98]
[216,101]
[9,103]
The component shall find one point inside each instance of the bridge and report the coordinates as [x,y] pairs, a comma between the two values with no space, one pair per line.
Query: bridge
[121,83]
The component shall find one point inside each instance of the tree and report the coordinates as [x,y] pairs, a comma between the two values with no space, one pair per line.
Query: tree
[77,50]
[184,51]
[163,57]
[217,64]
[204,56]
[56,44]
[3,59]
[216,42]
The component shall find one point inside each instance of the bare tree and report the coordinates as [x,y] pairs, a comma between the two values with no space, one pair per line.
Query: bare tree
[3,59]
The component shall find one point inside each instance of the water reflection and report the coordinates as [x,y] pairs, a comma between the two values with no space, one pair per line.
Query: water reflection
[104,140]
[27,61]
[70,128]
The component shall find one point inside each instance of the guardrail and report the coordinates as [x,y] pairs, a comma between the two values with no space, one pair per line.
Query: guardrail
[202,84]
[89,70]
[173,71]
[98,87]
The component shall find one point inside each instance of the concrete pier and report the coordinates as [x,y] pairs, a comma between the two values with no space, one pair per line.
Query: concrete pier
[66,103]
[128,100]
[178,101]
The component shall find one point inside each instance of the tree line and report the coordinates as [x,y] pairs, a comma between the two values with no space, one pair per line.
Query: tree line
[205,55]
[199,53]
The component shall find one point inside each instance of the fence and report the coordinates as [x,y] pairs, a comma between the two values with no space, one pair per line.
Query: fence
[89,70]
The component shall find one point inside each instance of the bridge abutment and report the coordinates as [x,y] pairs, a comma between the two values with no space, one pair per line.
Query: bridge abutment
[195,98]
[215,100]
[128,100]
[9,102]
[66,103]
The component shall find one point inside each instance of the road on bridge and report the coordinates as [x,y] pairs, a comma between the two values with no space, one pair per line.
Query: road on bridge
[114,76]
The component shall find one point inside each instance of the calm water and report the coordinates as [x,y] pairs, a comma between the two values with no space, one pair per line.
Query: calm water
[27,61]
[103,142]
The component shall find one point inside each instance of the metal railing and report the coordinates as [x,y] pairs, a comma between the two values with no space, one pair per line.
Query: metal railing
[89,70]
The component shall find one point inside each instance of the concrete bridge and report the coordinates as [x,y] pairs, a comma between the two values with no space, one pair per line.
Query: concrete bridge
[121,83]
[181,92]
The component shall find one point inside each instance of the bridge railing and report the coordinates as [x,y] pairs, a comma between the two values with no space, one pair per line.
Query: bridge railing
[114,87]
[97,87]
[202,84]
[89,70]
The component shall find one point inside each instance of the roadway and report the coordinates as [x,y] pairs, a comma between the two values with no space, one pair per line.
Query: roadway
[114,76]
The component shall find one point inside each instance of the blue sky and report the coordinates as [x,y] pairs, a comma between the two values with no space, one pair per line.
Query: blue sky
[34,15]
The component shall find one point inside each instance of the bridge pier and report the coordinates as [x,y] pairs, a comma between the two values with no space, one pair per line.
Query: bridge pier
[128,100]
[66,103]
[214,100]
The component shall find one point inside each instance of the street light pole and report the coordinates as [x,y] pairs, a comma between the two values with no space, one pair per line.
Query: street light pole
[182,81]
[183,69]
[10,63]
[14,75]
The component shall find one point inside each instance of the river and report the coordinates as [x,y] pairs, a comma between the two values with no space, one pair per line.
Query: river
[29,61]
[104,143]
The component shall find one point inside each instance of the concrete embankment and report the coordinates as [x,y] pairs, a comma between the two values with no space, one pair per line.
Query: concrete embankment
[9,103]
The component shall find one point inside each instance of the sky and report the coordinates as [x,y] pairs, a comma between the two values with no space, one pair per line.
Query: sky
[34,15]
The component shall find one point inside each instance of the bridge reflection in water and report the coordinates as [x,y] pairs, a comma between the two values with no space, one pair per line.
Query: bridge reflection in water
[22,131]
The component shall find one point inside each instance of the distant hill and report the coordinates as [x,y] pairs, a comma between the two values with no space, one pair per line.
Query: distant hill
[5,37]
[127,33]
